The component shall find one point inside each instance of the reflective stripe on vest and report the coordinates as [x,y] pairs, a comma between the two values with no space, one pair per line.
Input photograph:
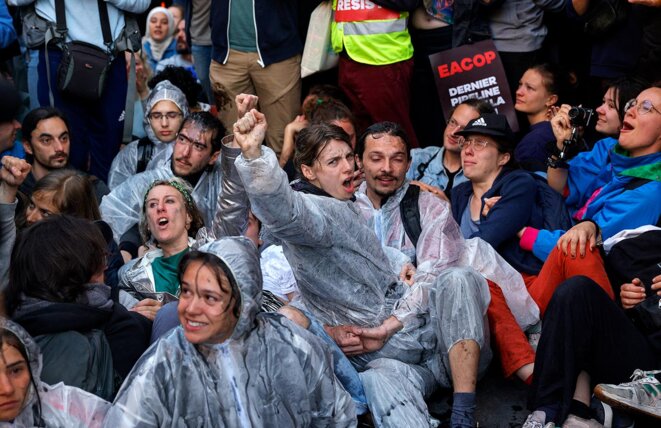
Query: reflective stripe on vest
[370,34]
[374,27]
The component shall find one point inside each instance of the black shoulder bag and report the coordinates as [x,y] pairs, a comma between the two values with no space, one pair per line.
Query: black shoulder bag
[84,67]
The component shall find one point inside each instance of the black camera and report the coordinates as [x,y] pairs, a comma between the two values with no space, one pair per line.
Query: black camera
[580,116]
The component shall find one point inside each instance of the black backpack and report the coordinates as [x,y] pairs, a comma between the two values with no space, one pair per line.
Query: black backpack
[409,211]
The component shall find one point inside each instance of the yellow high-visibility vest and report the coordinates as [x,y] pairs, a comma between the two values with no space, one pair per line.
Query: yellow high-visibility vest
[370,34]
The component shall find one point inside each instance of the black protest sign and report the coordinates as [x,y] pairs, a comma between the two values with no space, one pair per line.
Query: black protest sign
[473,71]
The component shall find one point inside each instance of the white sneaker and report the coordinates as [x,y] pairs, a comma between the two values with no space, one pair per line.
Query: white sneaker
[641,395]
[537,419]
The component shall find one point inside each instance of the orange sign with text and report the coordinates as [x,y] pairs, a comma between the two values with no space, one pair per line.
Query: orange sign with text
[362,10]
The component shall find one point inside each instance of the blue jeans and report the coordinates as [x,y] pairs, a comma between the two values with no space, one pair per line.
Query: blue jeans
[96,127]
[202,61]
[344,370]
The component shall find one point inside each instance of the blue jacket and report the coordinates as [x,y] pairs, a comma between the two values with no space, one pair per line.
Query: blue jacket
[169,53]
[276,24]
[515,210]
[615,208]
[434,172]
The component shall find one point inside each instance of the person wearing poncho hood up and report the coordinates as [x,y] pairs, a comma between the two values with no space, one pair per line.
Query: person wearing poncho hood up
[228,364]
[26,401]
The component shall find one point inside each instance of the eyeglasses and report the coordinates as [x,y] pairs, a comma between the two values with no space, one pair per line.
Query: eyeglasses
[644,107]
[197,145]
[478,145]
[452,123]
[171,115]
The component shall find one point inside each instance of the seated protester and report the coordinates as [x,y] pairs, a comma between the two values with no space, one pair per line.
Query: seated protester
[203,371]
[46,142]
[159,43]
[165,110]
[612,184]
[195,157]
[56,292]
[186,82]
[184,56]
[317,109]
[27,401]
[588,339]
[495,204]
[70,192]
[60,192]
[441,166]
[402,343]
[385,202]
[610,114]
[541,87]
[170,220]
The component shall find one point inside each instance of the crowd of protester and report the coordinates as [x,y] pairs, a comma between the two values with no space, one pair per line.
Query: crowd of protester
[193,235]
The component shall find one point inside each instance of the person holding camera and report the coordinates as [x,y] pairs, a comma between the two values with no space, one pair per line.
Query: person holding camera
[610,188]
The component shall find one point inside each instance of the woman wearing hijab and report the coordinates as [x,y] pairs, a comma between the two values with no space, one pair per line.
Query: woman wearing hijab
[159,42]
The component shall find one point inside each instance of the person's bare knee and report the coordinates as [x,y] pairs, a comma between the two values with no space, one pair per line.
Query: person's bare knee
[295,315]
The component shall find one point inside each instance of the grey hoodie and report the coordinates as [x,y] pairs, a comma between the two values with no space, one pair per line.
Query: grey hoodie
[269,373]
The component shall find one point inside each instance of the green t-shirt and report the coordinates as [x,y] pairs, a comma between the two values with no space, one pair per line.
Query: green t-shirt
[165,273]
[242,27]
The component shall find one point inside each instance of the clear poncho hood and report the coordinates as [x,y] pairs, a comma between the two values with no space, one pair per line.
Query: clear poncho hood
[163,91]
[242,258]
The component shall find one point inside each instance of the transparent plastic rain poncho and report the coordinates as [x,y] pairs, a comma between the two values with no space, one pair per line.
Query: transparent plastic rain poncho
[230,219]
[441,245]
[7,238]
[122,208]
[269,373]
[345,277]
[61,405]
[125,164]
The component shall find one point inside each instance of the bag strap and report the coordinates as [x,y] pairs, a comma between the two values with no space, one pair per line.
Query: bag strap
[129,105]
[410,213]
[145,150]
[105,24]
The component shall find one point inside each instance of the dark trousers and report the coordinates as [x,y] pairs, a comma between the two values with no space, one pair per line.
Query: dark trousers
[426,112]
[95,127]
[378,93]
[584,330]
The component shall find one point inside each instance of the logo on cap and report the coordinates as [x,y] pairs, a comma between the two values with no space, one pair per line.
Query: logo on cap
[480,122]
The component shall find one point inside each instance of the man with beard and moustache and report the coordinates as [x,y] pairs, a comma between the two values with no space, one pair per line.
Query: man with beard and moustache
[441,166]
[46,143]
[196,157]
[184,57]
[383,153]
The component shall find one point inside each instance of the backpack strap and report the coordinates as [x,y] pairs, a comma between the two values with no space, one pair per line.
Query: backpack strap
[145,152]
[409,211]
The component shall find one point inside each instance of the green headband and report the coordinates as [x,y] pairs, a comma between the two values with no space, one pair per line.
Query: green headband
[187,196]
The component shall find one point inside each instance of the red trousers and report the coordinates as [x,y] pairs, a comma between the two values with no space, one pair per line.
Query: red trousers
[511,342]
[378,93]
